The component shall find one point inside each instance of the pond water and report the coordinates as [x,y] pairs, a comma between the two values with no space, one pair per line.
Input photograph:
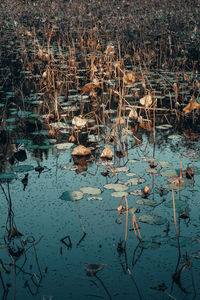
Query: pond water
[120,83]
[42,211]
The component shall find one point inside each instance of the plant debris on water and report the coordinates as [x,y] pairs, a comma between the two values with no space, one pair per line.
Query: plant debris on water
[99,102]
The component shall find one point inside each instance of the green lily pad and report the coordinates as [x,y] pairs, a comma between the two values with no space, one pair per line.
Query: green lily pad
[23,168]
[95,198]
[132,181]
[146,202]
[70,196]
[90,190]
[44,147]
[152,219]
[180,205]
[183,241]
[168,173]
[119,194]
[10,120]
[148,245]
[116,187]
[31,146]
[64,146]
[160,239]
[7,177]
[23,141]
[164,164]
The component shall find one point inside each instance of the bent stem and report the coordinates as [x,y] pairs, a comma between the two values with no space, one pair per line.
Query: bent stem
[103,285]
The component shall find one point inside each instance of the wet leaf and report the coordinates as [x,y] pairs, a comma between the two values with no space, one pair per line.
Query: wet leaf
[93,269]
[90,190]
[180,205]
[132,181]
[95,198]
[64,146]
[183,241]
[116,187]
[70,196]
[146,202]
[168,173]
[152,219]
[119,194]
[23,168]
[148,245]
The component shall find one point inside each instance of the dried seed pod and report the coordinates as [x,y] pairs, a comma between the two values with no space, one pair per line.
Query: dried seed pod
[189,173]
[146,190]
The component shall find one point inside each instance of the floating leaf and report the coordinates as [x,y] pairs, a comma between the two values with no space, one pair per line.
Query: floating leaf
[130,174]
[81,151]
[7,177]
[183,241]
[160,240]
[70,196]
[136,193]
[148,245]
[181,206]
[90,190]
[146,202]
[168,173]
[152,219]
[116,187]
[119,194]
[23,168]
[164,126]
[95,198]
[174,137]
[121,169]
[64,146]
[132,181]
[151,171]
[164,164]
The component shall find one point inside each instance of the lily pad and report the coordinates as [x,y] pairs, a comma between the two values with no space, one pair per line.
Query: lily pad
[90,190]
[70,196]
[122,169]
[164,164]
[146,202]
[168,173]
[151,171]
[183,241]
[64,146]
[6,177]
[23,168]
[180,205]
[116,187]
[132,181]
[152,219]
[23,141]
[148,245]
[119,194]
[160,239]
[95,198]
[130,174]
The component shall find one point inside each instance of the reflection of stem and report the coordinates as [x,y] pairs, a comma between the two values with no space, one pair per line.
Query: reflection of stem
[105,288]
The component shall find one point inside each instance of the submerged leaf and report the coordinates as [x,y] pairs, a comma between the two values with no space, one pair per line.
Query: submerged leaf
[152,219]
[93,269]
